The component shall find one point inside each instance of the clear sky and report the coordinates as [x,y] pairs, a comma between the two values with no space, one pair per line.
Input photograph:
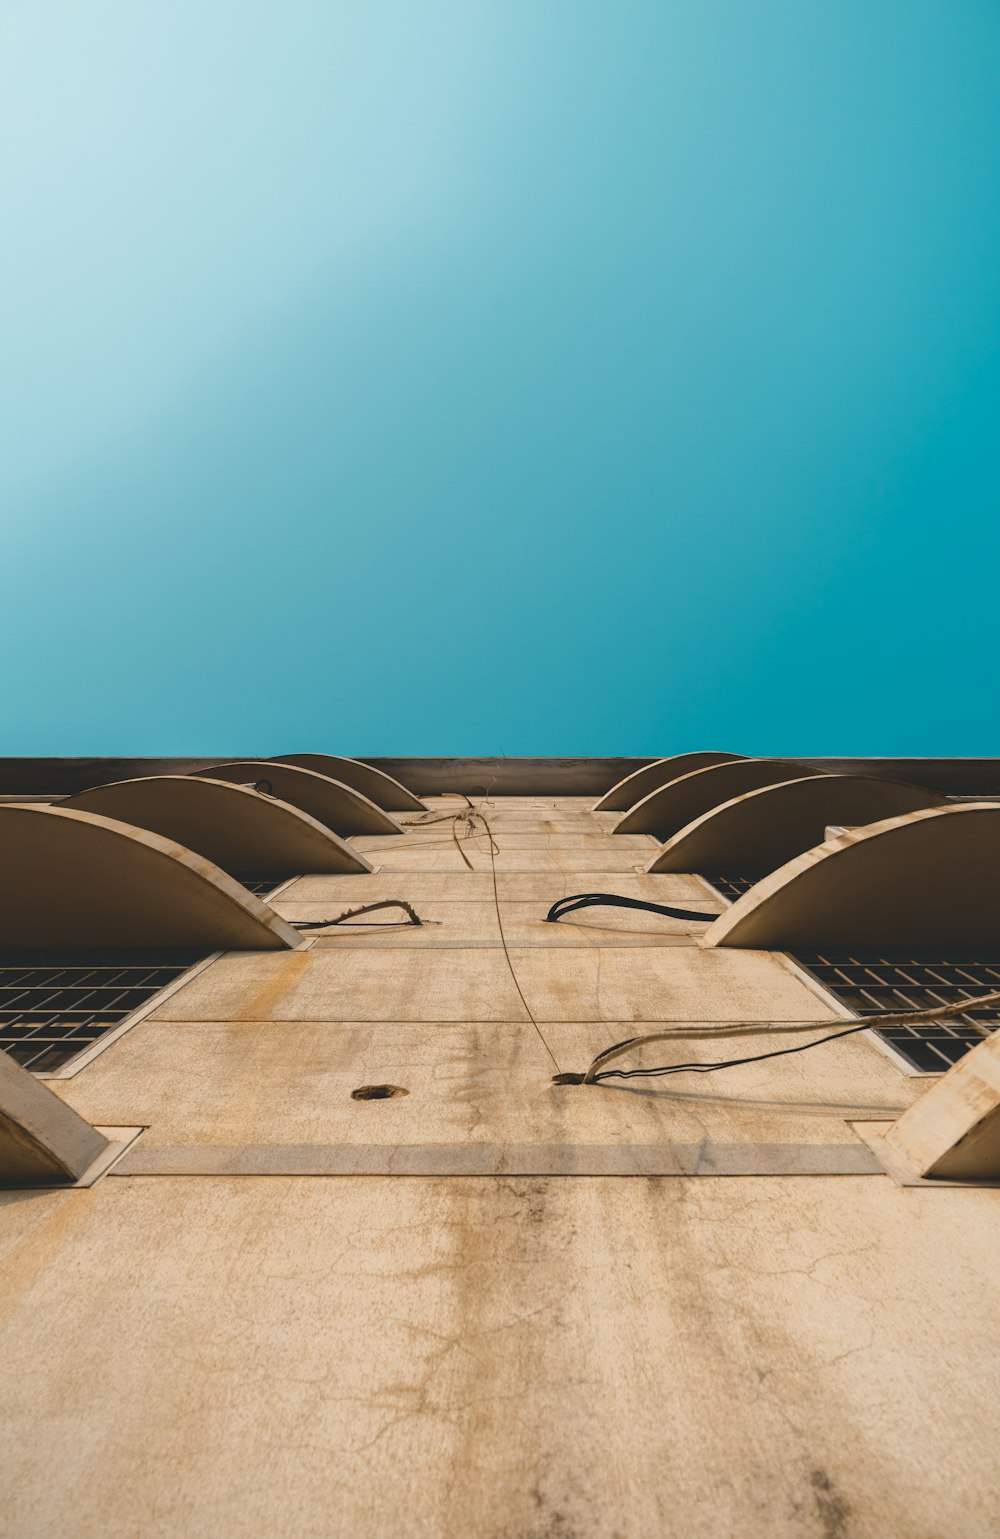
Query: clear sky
[538,376]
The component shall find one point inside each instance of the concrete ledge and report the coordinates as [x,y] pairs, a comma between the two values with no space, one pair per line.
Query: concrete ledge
[521,776]
[502,1160]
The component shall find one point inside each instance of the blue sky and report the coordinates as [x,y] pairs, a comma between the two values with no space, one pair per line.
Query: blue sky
[512,377]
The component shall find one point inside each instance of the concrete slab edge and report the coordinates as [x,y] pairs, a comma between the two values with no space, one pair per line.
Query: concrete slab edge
[500,1160]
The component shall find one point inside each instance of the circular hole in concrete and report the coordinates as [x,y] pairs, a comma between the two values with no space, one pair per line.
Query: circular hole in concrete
[377,1092]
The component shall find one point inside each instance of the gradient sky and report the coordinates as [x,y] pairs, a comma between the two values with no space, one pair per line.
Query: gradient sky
[539,376]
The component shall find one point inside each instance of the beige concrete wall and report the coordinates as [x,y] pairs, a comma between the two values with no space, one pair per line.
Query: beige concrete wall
[495,1306]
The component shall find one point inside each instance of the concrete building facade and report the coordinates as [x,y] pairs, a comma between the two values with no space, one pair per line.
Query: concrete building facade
[319,1225]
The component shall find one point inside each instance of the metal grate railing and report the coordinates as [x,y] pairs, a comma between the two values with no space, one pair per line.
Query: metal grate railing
[53,1006]
[870,982]
[261,885]
[732,887]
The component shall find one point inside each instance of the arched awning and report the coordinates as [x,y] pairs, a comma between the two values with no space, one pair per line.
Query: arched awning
[379,787]
[77,881]
[237,828]
[339,807]
[641,781]
[753,833]
[927,878]
[674,805]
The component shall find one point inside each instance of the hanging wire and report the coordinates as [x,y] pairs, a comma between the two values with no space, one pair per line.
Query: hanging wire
[598,1070]
[366,908]
[564,906]
[465,822]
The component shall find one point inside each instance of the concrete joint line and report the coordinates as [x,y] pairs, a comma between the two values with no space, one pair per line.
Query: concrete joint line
[637,1160]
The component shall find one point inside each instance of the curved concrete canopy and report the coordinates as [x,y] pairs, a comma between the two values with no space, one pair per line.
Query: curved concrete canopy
[641,781]
[42,1140]
[762,829]
[234,827]
[670,808]
[373,783]
[339,807]
[75,881]
[927,878]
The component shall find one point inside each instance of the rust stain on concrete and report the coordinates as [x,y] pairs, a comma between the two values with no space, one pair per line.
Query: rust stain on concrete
[287,975]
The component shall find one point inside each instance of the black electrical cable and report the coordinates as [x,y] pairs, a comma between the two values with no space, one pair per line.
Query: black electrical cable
[564,906]
[877,1019]
[702,1068]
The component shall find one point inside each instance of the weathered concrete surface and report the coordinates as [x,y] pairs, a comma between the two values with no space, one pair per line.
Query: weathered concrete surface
[846,1157]
[285,1083]
[443,856]
[475,924]
[539,888]
[586,1358]
[376,1330]
[516,840]
[436,984]
[557,816]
